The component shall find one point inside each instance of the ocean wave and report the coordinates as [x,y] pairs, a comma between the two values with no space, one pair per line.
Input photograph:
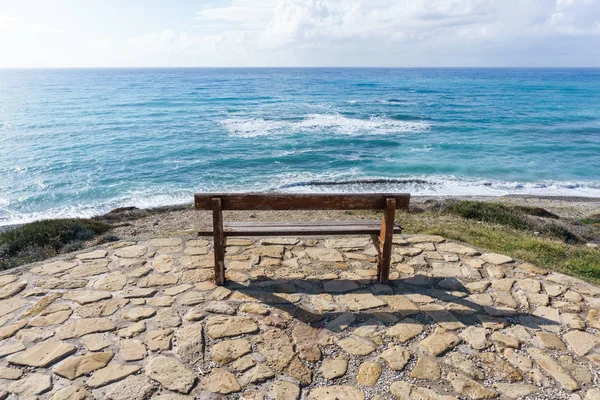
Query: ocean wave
[431,186]
[336,123]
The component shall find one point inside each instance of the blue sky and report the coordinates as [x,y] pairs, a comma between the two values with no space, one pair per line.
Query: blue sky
[152,33]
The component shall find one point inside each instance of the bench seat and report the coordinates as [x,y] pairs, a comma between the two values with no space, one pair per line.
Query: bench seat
[345,227]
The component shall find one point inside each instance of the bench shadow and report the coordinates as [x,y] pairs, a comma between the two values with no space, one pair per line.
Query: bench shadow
[279,294]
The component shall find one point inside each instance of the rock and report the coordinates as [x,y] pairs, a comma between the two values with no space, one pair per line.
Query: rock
[10,373]
[137,293]
[6,279]
[92,255]
[396,357]
[405,330]
[426,368]
[10,330]
[230,350]
[553,369]
[74,367]
[162,301]
[190,342]
[221,381]
[593,394]
[11,289]
[357,347]
[165,242]
[581,342]
[11,347]
[324,254]
[159,340]
[157,280]
[494,258]
[469,387]
[133,388]
[284,390]
[31,385]
[368,374]
[220,307]
[132,350]
[168,318]
[220,327]
[457,249]
[243,364]
[340,323]
[475,337]
[336,393]
[276,347]
[297,370]
[499,368]
[101,309]
[61,283]
[110,374]
[461,363]
[73,392]
[191,298]
[502,340]
[332,368]
[42,354]
[515,390]
[171,374]
[335,286]
[112,281]
[85,326]
[258,374]
[132,330]
[440,341]
[95,342]
[406,391]
[593,318]
[550,341]
[444,318]
[520,361]
[53,268]
[131,251]
[360,301]
[138,313]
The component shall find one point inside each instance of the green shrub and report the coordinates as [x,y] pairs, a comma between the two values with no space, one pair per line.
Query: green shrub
[38,240]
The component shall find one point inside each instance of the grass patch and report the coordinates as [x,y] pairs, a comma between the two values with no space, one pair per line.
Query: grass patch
[533,219]
[44,239]
[501,232]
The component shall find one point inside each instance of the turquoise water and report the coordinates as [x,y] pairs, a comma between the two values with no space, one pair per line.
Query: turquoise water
[81,142]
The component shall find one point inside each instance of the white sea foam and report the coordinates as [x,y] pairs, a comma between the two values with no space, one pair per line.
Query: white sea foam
[350,182]
[429,185]
[335,123]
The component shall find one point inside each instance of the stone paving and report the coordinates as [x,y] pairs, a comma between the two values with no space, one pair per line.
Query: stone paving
[300,318]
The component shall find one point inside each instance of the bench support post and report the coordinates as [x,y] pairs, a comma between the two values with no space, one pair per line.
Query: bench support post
[386,236]
[219,241]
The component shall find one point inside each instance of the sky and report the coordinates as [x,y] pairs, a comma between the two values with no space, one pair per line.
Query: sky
[299,33]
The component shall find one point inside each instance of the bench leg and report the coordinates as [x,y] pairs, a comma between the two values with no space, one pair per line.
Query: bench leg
[386,236]
[219,242]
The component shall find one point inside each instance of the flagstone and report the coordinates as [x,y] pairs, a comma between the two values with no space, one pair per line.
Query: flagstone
[171,374]
[31,385]
[85,326]
[53,268]
[74,367]
[42,354]
[112,373]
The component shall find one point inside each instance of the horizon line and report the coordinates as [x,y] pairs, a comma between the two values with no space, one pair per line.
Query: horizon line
[300,67]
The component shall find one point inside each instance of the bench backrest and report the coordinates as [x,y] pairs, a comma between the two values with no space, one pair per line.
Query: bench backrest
[281,201]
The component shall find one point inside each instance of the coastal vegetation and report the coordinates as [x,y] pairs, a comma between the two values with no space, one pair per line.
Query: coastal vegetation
[527,233]
[44,239]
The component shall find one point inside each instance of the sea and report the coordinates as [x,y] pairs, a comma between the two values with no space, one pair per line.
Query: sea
[80,142]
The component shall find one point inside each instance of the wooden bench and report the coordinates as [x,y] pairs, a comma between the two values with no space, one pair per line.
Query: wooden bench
[380,231]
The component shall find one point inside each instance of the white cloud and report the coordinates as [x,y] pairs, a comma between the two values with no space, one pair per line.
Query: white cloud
[337,32]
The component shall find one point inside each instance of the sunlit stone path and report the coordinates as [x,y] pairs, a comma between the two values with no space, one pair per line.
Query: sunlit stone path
[300,318]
